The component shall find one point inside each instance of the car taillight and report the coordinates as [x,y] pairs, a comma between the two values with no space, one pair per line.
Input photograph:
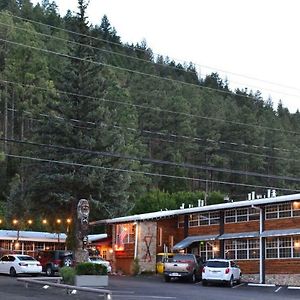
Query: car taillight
[227,270]
[189,268]
[203,270]
[23,264]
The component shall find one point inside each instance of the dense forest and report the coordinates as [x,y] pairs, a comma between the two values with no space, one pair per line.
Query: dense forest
[83,115]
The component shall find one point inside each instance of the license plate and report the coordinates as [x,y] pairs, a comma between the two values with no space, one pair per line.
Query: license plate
[174,274]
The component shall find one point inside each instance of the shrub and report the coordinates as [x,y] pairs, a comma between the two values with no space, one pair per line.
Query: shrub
[135,267]
[87,268]
[68,275]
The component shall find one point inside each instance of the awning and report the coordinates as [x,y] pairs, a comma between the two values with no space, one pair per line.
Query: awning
[194,238]
[239,235]
[269,233]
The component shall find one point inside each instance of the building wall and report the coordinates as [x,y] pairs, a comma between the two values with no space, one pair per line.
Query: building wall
[241,227]
[168,228]
[284,223]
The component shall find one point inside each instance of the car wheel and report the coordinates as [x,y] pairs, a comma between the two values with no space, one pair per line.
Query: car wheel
[192,278]
[12,272]
[49,271]
[231,282]
[68,262]
[204,282]
[167,279]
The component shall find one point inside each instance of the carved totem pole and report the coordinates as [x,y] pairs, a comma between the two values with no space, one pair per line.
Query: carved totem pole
[82,230]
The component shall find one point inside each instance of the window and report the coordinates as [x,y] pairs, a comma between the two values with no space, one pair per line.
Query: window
[241,215]
[284,210]
[159,237]
[242,249]
[125,233]
[203,219]
[206,250]
[180,221]
[283,247]
[171,241]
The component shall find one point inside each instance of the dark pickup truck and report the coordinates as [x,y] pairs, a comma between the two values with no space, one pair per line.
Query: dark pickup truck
[185,266]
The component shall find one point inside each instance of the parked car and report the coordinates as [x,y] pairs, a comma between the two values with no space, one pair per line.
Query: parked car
[53,260]
[221,271]
[185,266]
[101,261]
[14,264]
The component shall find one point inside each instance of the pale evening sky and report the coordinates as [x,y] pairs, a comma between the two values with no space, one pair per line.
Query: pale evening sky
[240,40]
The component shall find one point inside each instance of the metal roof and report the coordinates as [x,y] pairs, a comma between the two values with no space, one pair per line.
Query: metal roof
[281,232]
[215,207]
[239,235]
[36,236]
[194,238]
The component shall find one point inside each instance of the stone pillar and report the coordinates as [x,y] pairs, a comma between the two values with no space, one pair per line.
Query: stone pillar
[146,251]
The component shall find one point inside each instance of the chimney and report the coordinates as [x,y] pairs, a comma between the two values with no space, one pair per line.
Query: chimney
[249,196]
[200,203]
[253,195]
[182,206]
[273,193]
[268,193]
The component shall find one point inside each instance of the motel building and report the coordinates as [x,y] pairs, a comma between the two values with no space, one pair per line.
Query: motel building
[262,234]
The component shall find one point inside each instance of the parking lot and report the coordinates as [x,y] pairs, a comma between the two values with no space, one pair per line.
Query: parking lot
[149,287]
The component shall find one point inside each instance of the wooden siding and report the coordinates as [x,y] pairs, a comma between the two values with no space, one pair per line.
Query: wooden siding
[169,227]
[273,224]
[204,230]
[249,266]
[241,227]
[124,265]
[282,266]
[128,251]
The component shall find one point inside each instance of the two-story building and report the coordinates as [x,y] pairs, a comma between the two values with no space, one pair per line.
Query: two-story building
[262,235]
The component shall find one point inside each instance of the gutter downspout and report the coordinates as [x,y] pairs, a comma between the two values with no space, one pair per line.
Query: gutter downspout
[261,244]
[136,240]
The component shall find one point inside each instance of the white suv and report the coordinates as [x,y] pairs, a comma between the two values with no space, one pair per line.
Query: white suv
[222,271]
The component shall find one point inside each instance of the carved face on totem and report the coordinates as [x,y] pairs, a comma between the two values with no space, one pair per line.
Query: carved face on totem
[83,209]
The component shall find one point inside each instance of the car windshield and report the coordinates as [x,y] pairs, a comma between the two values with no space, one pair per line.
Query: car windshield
[96,259]
[183,258]
[25,258]
[217,264]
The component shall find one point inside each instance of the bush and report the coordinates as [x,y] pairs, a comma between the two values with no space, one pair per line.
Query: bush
[68,275]
[135,267]
[87,268]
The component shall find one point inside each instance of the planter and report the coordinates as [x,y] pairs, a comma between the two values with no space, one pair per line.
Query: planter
[91,280]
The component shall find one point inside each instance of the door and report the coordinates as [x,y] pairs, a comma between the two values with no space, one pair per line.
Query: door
[4,264]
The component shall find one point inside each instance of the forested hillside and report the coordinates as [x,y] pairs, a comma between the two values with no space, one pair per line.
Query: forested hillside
[85,116]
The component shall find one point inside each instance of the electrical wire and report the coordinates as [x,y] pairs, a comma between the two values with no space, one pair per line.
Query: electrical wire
[154,161]
[132,57]
[197,139]
[145,51]
[146,173]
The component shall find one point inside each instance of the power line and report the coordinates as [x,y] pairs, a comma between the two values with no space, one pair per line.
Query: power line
[155,161]
[135,58]
[146,131]
[191,139]
[146,173]
[145,51]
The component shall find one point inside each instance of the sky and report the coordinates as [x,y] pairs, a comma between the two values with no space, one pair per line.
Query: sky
[252,43]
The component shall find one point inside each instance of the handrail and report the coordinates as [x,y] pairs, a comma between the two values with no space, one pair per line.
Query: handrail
[107,294]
